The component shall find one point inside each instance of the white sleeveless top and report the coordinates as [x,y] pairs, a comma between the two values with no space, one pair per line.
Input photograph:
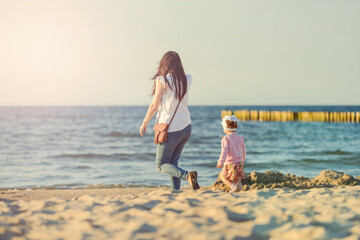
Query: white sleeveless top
[168,105]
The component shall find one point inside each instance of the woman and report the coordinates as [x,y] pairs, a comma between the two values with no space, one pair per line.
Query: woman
[171,85]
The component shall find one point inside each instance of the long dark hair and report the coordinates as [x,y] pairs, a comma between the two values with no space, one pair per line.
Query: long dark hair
[171,63]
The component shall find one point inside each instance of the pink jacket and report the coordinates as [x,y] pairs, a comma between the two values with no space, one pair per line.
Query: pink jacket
[233,149]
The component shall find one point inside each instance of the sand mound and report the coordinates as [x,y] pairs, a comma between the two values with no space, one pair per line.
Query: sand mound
[336,178]
[272,180]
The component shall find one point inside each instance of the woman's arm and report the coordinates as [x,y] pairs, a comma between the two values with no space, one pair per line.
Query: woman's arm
[159,90]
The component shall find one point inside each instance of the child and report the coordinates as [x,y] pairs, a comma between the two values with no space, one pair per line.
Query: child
[233,154]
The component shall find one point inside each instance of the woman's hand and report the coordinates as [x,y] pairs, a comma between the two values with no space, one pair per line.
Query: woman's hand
[219,165]
[143,129]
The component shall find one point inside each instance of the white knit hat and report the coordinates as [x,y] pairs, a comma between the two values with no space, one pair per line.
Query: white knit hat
[230,118]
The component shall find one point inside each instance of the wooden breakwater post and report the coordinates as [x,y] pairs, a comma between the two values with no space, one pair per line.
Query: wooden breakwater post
[289,116]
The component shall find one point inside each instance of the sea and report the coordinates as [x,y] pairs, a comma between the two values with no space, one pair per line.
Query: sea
[81,147]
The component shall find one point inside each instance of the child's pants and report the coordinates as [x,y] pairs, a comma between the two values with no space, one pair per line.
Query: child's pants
[233,172]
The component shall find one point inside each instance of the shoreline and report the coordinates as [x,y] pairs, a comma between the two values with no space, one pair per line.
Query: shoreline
[75,187]
[253,180]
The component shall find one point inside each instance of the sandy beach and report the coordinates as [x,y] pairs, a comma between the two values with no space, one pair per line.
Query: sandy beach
[106,107]
[158,213]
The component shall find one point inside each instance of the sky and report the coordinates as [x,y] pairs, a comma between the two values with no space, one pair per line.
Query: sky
[83,52]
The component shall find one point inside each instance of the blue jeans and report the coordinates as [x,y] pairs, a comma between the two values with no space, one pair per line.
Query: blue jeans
[168,154]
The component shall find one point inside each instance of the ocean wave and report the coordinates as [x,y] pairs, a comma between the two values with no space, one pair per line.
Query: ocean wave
[120,134]
[115,156]
[257,152]
[247,164]
[326,152]
[207,164]
[268,165]
[310,160]
[347,161]
[337,152]
[79,167]
[121,156]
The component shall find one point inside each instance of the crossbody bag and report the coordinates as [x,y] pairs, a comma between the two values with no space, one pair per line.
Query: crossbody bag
[161,129]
